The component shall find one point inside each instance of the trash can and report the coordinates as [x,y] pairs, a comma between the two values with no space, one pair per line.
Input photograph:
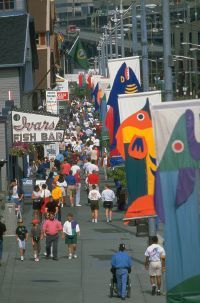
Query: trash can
[10,219]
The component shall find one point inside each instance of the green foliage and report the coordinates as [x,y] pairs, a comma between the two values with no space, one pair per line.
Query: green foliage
[118,173]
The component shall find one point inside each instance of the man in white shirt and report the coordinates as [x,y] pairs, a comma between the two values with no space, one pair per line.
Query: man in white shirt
[92,167]
[108,196]
[75,168]
[155,263]
[94,197]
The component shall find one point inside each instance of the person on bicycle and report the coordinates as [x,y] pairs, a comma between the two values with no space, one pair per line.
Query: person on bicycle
[121,263]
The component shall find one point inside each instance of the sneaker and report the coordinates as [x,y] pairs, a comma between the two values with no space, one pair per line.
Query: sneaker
[107,220]
[75,256]
[45,253]
[72,205]
[153,291]
[55,259]
[35,255]
[158,292]
[78,205]
[22,258]
[93,221]
[36,259]
[70,256]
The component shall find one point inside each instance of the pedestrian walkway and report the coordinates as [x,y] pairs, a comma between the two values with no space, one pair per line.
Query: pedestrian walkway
[84,280]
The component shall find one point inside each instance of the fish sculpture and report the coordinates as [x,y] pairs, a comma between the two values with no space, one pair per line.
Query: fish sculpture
[135,143]
[177,204]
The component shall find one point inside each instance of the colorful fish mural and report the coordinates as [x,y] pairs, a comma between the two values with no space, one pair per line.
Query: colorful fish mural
[177,203]
[125,82]
[135,143]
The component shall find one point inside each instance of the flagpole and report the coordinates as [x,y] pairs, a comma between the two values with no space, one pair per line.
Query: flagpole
[73,44]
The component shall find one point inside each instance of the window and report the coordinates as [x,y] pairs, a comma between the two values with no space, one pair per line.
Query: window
[7,4]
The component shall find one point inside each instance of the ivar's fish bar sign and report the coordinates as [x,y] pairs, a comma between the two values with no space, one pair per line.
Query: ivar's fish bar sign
[32,127]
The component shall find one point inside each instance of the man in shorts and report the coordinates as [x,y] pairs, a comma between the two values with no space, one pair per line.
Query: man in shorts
[22,237]
[108,196]
[70,231]
[94,197]
[155,264]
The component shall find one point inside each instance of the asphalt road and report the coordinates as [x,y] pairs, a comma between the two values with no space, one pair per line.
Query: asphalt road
[82,280]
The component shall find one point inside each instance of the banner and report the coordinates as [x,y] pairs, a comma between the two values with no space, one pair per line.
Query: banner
[115,64]
[177,198]
[135,143]
[51,150]
[125,82]
[78,54]
[34,127]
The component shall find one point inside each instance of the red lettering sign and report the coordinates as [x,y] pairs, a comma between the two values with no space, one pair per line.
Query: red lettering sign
[62,96]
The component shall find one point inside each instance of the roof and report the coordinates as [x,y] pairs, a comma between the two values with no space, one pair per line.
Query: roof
[12,40]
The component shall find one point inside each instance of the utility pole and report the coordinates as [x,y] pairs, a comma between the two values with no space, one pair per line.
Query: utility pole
[168,60]
[145,64]
[103,57]
[122,29]
[106,47]
[116,37]
[110,38]
[134,30]
[99,58]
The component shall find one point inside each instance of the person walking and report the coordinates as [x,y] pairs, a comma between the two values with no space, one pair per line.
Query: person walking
[21,237]
[45,198]
[17,196]
[2,231]
[70,231]
[121,262]
[71,187]
[51,229]
[154,262]
[36,235]
[108,196]
[93,179]
[63,185]
[94,196]
[78,187]
[36,198]
[57,198]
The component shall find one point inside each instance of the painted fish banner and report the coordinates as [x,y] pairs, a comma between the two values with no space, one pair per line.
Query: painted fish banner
[135,142]
[115,64]
[125,82]
[177,196]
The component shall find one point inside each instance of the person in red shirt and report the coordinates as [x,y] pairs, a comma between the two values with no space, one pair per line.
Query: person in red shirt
[65,168]
[93,179]
[78,187]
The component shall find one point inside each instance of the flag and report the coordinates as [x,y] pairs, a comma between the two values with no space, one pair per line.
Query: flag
[95,97]
[78,54]
[89,82]
[177,195]
[125,82]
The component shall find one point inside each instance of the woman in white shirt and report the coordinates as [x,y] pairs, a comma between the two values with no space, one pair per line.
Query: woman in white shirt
[45,196]
[36,197]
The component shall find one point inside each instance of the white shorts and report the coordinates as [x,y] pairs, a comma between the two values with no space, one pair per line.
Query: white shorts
[155,269]
[22,244]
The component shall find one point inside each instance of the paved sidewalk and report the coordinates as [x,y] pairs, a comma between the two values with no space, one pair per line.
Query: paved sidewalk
[84,280]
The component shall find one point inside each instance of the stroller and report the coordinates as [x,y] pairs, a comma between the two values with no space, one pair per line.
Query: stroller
[113,285]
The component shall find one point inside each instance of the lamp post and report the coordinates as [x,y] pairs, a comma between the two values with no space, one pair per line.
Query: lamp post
[134,30]
[103,56]
[99,58]
[116,37]
[145,66]
[110,38]
[168,62]
[122,29]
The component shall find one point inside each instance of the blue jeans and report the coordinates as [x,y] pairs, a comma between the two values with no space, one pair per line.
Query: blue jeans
[1,249]
[121,274]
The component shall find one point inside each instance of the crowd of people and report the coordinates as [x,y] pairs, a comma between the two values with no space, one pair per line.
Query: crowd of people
[61,180]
